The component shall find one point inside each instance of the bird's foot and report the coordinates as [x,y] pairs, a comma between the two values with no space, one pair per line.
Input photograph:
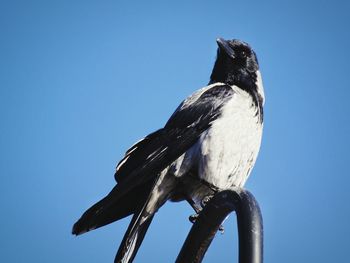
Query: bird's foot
[199,208]
[221,229]
[204,202]
[206,199]
[193,218]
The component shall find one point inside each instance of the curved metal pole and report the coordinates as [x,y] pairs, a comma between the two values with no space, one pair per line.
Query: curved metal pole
[250,227]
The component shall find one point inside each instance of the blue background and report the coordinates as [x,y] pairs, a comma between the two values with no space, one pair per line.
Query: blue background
[83,80]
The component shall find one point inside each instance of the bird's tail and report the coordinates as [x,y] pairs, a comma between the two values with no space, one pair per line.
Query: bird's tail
[110,209]
[133,238]
[143,218]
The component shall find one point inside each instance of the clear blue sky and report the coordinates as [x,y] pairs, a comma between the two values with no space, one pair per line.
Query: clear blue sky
[81,81]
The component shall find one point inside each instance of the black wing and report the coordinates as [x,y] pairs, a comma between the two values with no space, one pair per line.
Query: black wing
[138,170]
[147,158]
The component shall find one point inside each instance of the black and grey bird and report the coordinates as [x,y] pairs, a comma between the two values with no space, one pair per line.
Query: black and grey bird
[209,144]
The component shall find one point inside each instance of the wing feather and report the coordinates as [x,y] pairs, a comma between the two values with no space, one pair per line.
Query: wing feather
[147,158]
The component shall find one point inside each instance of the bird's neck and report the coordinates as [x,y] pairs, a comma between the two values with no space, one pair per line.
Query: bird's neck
[249,82]
[221,73]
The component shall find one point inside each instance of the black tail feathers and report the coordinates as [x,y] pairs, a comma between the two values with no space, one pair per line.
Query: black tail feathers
[132,239]
[110,209]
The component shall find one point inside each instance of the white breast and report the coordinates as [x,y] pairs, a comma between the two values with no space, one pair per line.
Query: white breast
[227,151]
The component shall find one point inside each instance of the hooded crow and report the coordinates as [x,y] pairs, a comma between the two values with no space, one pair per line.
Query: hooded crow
[209,144]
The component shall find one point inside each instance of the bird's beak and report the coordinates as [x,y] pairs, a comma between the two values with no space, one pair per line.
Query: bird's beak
[223,45]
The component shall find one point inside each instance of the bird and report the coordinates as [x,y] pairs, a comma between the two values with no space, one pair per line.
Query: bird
[209,144]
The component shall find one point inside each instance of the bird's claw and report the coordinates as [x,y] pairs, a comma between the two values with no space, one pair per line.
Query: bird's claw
[221,229]
[193,218]
[198,209]
[205,200]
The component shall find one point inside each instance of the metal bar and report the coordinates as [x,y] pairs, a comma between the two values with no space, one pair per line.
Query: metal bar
[250,227]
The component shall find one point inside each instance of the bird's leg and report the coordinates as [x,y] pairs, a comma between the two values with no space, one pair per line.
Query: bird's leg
[196,208]
[205,200]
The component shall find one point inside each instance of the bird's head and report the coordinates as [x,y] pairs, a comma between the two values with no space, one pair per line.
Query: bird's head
[236,64]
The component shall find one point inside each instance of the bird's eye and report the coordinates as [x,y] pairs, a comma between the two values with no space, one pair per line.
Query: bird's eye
[244,54]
